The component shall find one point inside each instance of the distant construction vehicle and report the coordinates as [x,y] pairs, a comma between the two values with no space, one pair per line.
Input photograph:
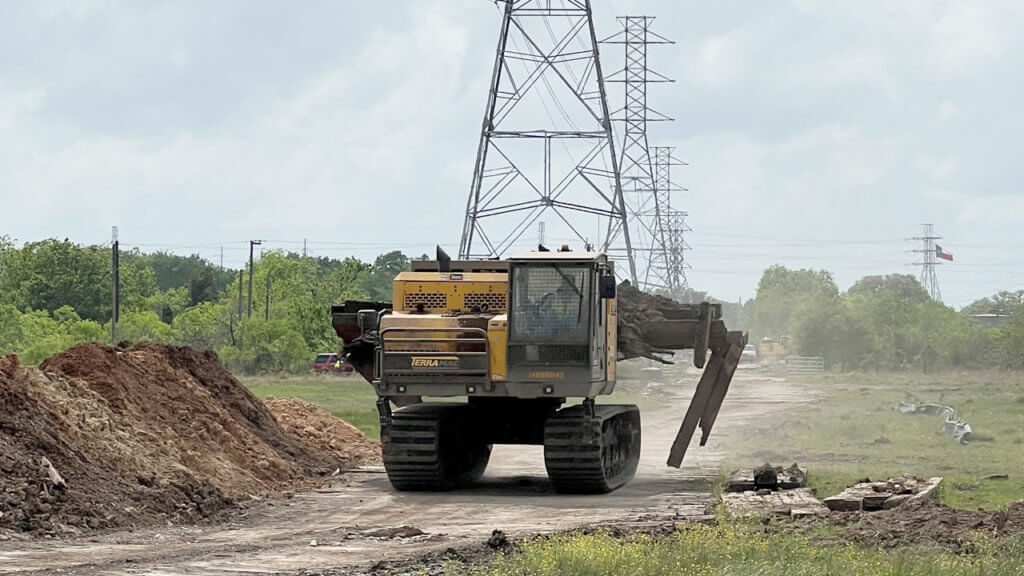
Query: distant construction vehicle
[774,348]
[519,338]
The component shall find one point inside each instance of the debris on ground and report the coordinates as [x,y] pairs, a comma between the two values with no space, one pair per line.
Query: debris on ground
[324,431]
[924,521]
[957,430]
[394,532]
[898,491]
[952,427]
[498,540]
[926,409]
[98,437]
[771,490]
[795,502]
[768,477]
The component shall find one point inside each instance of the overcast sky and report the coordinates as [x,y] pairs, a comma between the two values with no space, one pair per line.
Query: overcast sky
[818,133]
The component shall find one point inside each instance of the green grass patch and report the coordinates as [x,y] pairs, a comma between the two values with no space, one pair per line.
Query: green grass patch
[348,397]
[739,549]
[854,431]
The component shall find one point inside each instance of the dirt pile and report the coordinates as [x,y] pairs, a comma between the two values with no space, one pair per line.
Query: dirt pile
[925,521]
[97,437]
[322,430]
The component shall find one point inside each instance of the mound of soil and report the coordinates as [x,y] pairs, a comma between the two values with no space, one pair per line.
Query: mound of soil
[98,437]
[926,521]
[321,429]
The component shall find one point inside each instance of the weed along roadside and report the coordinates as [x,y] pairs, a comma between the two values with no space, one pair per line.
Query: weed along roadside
[743,548]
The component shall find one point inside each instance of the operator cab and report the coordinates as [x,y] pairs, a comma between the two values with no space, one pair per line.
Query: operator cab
[558,317]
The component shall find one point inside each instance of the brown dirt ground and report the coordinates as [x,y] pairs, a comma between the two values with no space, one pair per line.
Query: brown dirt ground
[924,522]
[140,436]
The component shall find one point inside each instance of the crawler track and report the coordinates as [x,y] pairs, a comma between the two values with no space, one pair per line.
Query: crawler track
[592,453]
[433,447]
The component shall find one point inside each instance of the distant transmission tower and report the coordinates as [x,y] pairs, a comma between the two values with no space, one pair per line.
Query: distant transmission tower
[546,144]
[635,165]
[667,270]
[928,261]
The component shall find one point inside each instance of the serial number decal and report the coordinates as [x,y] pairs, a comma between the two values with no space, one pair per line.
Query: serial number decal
[435,362]
[547,375]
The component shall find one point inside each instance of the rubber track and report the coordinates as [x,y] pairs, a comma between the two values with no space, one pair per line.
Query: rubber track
[573,449]
[412,451]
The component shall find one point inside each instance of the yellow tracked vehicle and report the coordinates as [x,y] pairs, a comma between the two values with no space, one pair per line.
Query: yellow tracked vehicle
[518,338]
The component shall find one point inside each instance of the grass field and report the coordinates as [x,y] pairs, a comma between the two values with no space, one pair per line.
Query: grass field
[854,431]
[738,549]
[348,397]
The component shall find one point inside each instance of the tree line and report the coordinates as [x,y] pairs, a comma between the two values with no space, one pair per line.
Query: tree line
[54,294]
[885,322]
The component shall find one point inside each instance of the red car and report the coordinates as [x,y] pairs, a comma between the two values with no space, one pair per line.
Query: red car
[328,362]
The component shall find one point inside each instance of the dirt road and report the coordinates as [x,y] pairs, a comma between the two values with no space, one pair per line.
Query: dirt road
[345,525]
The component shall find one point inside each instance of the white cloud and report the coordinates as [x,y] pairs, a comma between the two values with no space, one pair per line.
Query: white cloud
[334,143]
[937,168]
[717,60]
[947,110]
[946,39]
[1002,211]
[15,106]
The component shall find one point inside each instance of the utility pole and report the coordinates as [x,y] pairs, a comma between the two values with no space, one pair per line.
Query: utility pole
[928,261]
[252,246]
[547,66]
[221,257]
[540,233]
[115,285]
[303,247]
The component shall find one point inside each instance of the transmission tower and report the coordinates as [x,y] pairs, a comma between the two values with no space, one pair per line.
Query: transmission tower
[546,144]
[928,261]
[636,169]
[667,270]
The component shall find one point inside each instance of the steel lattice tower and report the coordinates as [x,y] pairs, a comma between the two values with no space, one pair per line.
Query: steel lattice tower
[636,167]
[667,270]
[928,261]
[560,159]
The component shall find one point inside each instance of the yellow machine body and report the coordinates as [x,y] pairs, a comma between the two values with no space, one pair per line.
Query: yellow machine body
[460,313]
[450,292]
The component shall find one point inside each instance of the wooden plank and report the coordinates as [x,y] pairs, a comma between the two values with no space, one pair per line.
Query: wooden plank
[797,502]
[694,412]
[718,392]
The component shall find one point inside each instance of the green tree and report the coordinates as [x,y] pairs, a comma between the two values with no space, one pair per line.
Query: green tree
[1008,342]
[1004,303]
[52,273]
[901,285]
[781,292]
[382,274]
[202,286]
